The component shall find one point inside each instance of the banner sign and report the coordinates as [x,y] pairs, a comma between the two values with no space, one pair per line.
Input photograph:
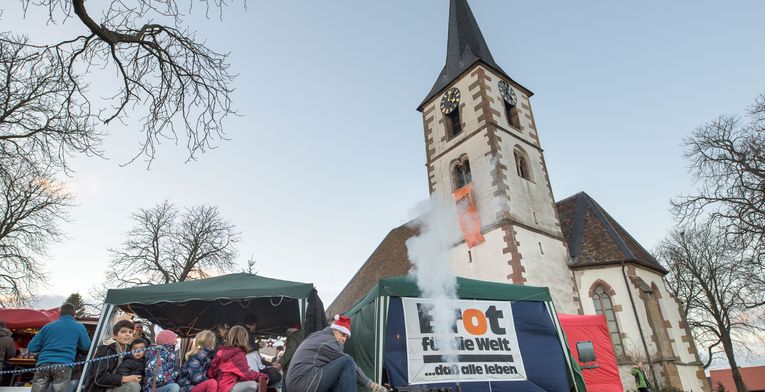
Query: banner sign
[467,213]
[484,343]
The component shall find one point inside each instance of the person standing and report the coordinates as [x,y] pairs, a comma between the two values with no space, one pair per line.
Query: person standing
[7,351]
[138,332]
[57,343]
[641,381]
[320,365]
[294,337]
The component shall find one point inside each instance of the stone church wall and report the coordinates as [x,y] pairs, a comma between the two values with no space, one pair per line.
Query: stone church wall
[668,341]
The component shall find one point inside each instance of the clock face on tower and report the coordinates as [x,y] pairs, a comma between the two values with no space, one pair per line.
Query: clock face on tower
[508,94]
[450,100]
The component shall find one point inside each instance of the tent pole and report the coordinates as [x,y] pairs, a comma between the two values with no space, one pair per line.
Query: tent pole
[561,339]
[301,312]
[386,306]
[106,315]
[376,351]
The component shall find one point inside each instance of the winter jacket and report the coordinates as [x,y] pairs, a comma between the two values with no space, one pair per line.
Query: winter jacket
[316,351]
[641,381]
[131,367]
[292,343]
[7,346]
[57,342]
[101,373]
[230,367]
[166,371]
[194,371]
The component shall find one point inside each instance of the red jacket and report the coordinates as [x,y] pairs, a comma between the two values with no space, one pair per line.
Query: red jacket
[230,367]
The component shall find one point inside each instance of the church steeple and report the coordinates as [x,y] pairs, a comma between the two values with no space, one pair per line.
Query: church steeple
[465,47]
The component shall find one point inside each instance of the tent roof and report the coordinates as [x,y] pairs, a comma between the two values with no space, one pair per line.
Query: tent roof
[231,287]
[28,318]
[405,286]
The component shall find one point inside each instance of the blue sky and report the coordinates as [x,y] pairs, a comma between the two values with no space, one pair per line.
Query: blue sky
[328,154]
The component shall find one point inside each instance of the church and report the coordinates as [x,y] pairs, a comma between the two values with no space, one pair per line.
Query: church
[480,133]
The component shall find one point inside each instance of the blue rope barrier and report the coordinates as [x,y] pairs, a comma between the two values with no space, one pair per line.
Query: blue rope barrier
[73,364]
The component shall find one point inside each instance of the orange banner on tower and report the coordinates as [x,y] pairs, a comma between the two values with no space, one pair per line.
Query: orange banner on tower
[468,216]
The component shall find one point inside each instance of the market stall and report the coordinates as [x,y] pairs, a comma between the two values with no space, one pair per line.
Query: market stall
[191,306]
[506,337]
[23,325]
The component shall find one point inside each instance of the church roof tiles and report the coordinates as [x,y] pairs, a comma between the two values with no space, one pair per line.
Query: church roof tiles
[595,238]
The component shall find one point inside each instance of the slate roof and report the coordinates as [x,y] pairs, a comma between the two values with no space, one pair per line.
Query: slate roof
[595,238]
[390,258]
[465,47]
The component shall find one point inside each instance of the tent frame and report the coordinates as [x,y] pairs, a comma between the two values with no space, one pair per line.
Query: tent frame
[103,328]
[381,304]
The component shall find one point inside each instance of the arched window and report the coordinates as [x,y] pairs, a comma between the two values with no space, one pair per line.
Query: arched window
[461,174]
[511,111]
[522,164]
[453,123]
[604,306]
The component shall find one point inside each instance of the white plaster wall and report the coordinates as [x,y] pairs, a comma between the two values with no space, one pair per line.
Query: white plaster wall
[627,324]
[530,200]
[686,361]
[487,204]
[547,267]
[690,380]
[488,262]
[628,380]
[612,275]
[671,313]
[468,115]
[527,132]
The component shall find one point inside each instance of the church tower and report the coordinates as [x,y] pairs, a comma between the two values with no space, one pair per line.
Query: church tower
[480,132]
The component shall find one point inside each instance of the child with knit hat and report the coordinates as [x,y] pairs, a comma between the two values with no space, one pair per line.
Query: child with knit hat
[161,365]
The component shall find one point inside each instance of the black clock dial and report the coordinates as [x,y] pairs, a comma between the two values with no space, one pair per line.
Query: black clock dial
[508,94]
[450,100]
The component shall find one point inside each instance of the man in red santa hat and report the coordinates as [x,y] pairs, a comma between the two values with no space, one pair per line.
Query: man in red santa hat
[320,365]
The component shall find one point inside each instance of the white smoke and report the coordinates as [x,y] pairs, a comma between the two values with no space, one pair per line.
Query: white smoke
[429,252]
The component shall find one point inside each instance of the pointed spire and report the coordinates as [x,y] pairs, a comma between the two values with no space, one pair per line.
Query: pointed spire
[465,47]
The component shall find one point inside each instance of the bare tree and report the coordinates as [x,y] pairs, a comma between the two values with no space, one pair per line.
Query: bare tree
[39,115]
[166,246]
[727,159]
[163,71]
[32,205]
[711,277]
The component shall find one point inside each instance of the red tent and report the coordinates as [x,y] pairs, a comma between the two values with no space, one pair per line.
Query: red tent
[604,377]
[27,318]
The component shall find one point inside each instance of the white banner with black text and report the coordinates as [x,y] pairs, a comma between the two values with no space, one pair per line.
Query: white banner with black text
[482,346]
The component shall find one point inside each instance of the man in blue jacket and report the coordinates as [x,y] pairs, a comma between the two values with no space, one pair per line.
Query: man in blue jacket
[57,343]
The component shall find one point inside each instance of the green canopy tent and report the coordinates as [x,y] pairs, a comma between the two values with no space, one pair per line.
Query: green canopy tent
[191,306]
[370,317]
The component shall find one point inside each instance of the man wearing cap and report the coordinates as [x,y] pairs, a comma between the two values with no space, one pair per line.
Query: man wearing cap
[320,365]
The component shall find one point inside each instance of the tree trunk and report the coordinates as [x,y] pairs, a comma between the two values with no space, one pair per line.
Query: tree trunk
[728,347]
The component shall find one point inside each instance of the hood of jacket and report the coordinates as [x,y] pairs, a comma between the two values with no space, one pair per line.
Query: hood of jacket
[5,332]
[227,353]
